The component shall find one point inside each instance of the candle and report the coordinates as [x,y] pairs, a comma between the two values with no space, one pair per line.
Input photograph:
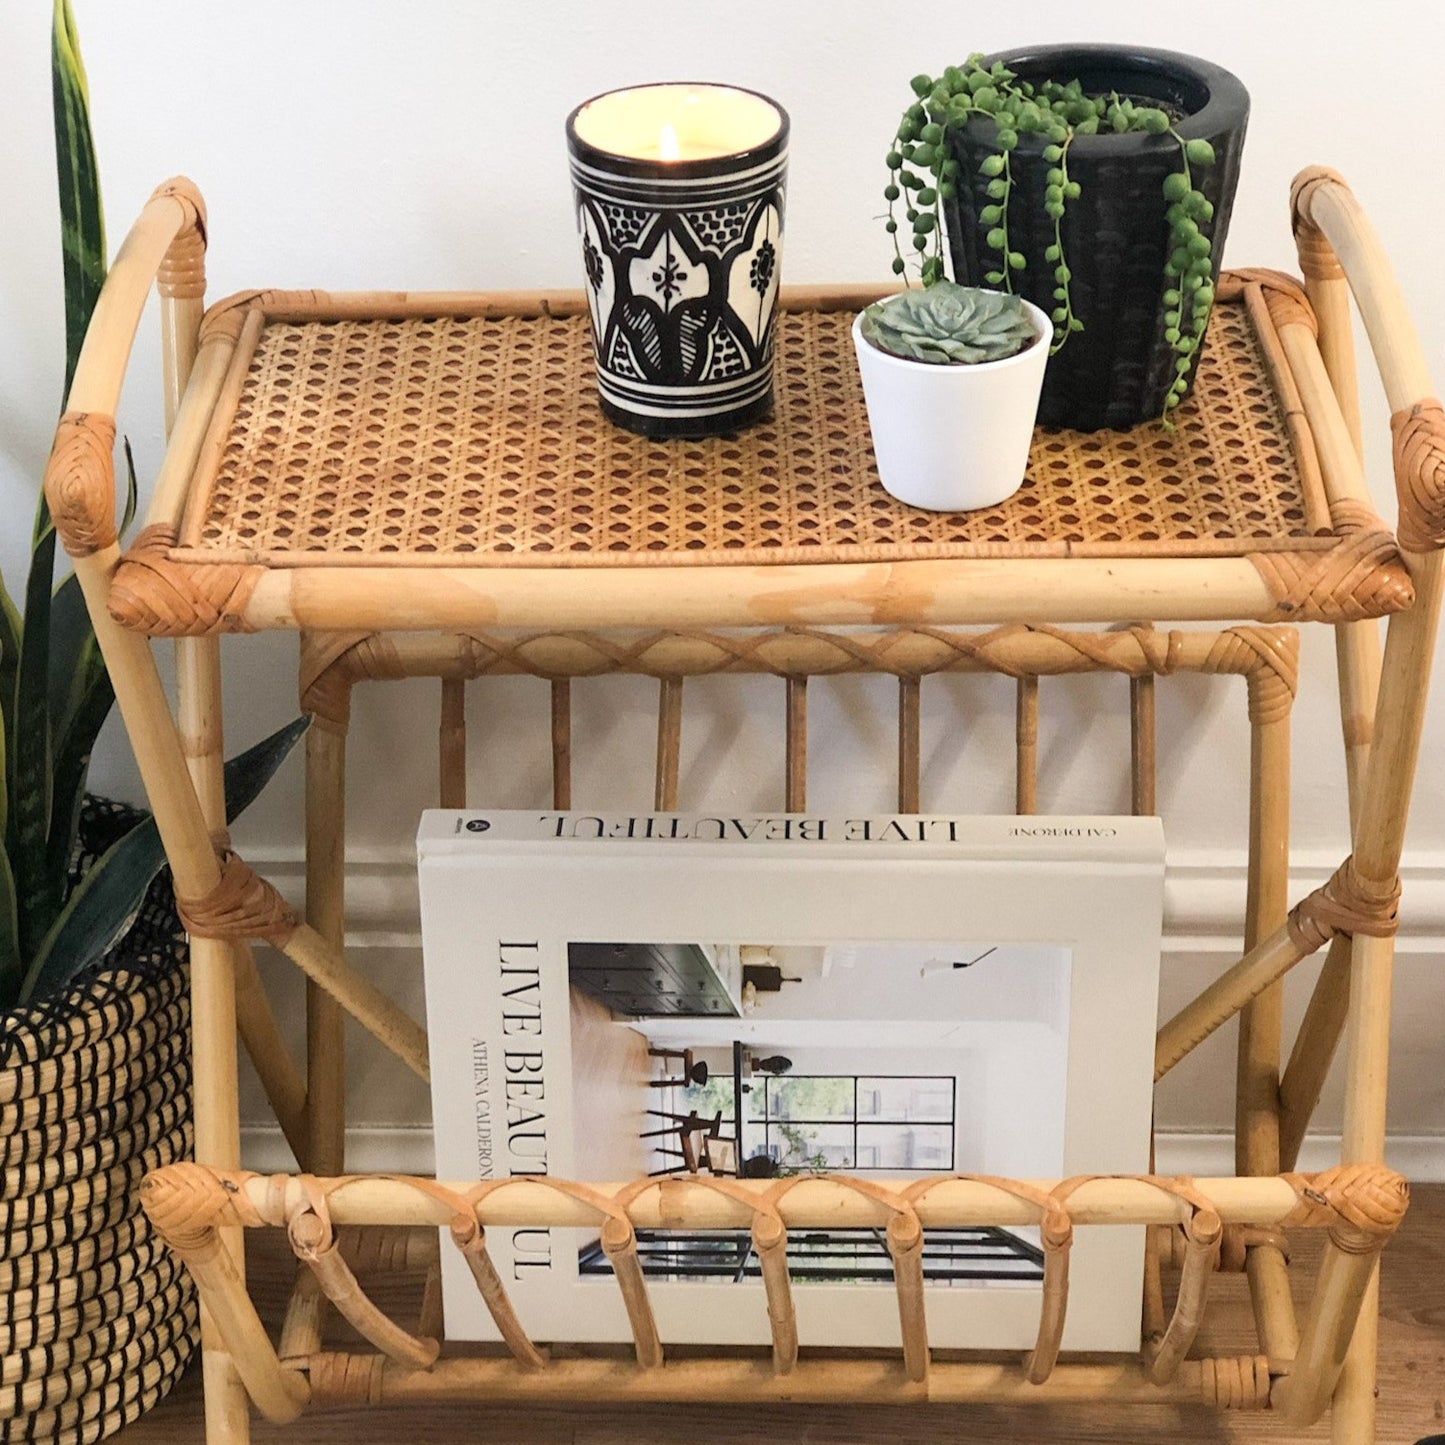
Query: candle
[679,193]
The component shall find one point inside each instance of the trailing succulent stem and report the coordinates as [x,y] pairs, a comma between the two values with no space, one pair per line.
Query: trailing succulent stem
[948,324]
[922,174]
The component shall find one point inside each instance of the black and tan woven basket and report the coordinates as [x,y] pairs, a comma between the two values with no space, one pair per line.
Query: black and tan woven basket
[97,1320]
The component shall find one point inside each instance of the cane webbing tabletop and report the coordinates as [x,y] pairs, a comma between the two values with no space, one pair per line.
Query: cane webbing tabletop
[464,432]
[473,439]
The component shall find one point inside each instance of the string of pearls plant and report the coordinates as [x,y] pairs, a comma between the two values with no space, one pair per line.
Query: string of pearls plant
[922,174]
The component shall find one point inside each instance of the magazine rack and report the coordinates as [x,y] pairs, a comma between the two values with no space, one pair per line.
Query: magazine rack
[533,538]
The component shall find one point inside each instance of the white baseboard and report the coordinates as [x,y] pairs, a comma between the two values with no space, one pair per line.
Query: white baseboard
[1204,899]
[1419,1157]
[1204,893]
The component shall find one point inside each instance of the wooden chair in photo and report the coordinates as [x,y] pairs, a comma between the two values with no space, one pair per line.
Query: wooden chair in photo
[694,1071]
[1279,370]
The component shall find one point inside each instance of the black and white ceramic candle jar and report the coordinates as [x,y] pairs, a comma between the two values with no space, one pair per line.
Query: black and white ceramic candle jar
[679,193]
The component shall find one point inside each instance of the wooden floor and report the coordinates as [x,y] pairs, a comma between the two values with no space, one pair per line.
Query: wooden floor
[610,1094]
[1412,1391]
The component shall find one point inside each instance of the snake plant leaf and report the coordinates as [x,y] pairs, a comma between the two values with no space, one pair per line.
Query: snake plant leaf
[107,898]
[37,893]
[38,874]
[11,628]
[82,221]
[71,660]
[12,962]
[74,744]
[12,965]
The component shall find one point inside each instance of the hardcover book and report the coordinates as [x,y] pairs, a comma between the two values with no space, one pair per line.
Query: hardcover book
[613,996]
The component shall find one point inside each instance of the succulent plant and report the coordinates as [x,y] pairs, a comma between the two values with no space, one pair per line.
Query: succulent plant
[922,174]
[948,324]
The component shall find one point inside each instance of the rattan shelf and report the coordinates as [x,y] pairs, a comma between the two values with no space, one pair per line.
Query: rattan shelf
[423,486]
[416,433]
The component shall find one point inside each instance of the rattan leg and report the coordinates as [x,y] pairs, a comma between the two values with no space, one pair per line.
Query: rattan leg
[325,912]
[1352,1411]
[1257,1100]
[1256,1145]
[213,1025]
[1372,962]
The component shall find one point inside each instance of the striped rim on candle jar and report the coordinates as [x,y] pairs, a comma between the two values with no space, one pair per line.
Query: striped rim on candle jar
[679,192]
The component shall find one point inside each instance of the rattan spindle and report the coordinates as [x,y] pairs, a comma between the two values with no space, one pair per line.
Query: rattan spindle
[1026,746]
[1143,748]
[452,780]
[795,772]
[471,1240]
[561,743]
[669,743]
[910,725]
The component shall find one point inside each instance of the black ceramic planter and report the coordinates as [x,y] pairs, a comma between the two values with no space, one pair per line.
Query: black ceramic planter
[1118,370]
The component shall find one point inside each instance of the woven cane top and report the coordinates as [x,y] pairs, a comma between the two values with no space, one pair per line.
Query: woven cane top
[458,439]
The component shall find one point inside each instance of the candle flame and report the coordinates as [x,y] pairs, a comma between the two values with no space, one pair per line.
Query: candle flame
[667,145]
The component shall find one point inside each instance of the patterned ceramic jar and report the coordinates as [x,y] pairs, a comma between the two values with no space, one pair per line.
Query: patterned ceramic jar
[679,193]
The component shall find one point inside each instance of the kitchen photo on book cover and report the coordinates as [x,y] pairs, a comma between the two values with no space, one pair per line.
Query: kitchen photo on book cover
[609,1002]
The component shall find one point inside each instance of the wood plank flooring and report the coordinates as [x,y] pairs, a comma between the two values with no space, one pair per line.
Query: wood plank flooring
[1412,1389]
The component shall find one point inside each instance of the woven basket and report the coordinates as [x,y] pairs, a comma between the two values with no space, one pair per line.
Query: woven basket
[1118,370]
[98,1318]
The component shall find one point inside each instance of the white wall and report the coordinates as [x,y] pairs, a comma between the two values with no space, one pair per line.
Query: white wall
[374,144]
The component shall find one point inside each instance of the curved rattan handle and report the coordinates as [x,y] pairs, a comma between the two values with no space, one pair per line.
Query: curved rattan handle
[1336,238]
[166,245]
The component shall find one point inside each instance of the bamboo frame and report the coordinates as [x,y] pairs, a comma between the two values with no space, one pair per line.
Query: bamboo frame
[799,621]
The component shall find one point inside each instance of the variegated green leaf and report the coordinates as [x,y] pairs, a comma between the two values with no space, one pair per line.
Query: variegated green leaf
[37,893]
[10,631]
[37,868]
[82,222]
[12,964]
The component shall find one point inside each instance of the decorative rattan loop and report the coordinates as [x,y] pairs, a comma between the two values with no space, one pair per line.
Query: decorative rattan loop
[313,1240]
[80,482]
[242,905]
[619,1242]
[1419,453]
[1346,903]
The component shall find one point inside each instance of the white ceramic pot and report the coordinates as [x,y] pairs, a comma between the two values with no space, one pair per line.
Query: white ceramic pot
[953,438]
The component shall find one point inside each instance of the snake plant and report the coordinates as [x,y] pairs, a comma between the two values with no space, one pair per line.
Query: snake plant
[948,324]
[54,691]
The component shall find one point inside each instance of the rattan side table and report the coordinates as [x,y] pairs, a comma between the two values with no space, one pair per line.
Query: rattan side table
[422,485]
